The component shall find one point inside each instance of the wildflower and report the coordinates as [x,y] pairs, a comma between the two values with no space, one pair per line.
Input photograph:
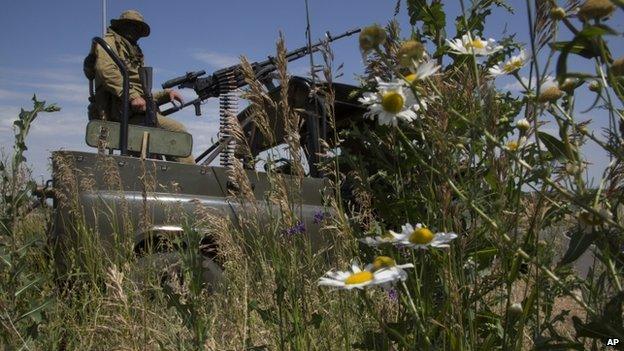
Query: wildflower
[421,237]
[409,52]
[515,145]
[523,125]
[557,13]
[512,145]
[595,9]
[549,91]
[392,101]
[509,67]
[393,295]
[595,86]
[468,46]
[298,228]
[371,37]
[388,237]
[617,67]
[422,71]
[319,216]
[358,278]
[385,262]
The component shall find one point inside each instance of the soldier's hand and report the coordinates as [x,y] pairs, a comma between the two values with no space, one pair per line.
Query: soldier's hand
[175,96]
[138,104]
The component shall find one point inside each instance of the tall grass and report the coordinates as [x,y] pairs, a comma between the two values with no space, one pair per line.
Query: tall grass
[474,160]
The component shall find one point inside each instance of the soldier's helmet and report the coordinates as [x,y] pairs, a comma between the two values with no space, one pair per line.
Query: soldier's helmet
[133,17]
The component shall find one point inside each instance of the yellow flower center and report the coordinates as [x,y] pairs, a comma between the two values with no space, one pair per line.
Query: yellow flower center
[382,262]
[421,236]
[392,102]
[359,278]
[512,145]
[477,44]
[411,78]
[512,66]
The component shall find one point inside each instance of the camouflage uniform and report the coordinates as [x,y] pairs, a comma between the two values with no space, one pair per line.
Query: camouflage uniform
[107,102]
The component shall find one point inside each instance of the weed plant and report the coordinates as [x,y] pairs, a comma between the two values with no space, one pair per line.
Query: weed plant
[452,218]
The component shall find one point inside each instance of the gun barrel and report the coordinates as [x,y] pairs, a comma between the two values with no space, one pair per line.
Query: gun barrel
[182,79]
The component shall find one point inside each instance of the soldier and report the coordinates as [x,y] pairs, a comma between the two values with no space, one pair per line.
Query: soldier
[122,36]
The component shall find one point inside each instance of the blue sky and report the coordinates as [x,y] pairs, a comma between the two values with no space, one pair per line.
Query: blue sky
[44,43]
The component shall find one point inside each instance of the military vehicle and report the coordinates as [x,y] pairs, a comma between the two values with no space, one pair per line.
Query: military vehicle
[127,186]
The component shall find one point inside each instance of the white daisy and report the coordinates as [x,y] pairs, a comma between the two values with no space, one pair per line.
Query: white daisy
[509,67]
[468,46]
[388,237]
[387,263]
[359,278]
[392,102]
[423,71]
[515,145]
[420,237]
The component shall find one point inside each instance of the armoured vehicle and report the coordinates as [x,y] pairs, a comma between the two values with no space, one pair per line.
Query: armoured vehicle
[127,186]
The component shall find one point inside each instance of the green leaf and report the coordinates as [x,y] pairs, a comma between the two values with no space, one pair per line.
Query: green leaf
[432,16]
[37,309]
[579,46]
[554,145]
[609,325]
[597,30]
[27,286]
[579,243]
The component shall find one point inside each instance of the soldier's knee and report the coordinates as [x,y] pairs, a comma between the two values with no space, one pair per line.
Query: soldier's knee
[170,124]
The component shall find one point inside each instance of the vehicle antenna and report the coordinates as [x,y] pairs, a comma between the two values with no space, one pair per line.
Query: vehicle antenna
[103,18]
[309,37]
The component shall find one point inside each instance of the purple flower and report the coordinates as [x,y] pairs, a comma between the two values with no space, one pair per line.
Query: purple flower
[393,295]
[319,216]
[298,228]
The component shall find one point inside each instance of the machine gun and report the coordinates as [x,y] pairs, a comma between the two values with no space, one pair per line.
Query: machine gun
[224,79]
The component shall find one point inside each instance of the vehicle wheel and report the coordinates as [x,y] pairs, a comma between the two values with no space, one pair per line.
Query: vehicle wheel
[167,266]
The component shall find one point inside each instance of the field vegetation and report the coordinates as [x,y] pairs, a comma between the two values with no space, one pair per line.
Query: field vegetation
[455,211]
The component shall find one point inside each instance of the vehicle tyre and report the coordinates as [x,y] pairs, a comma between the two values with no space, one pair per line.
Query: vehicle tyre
[167,266]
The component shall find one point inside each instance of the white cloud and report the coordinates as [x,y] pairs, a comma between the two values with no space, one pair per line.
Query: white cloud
[71,58]
[13,95]
[59,92]
[216,59]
